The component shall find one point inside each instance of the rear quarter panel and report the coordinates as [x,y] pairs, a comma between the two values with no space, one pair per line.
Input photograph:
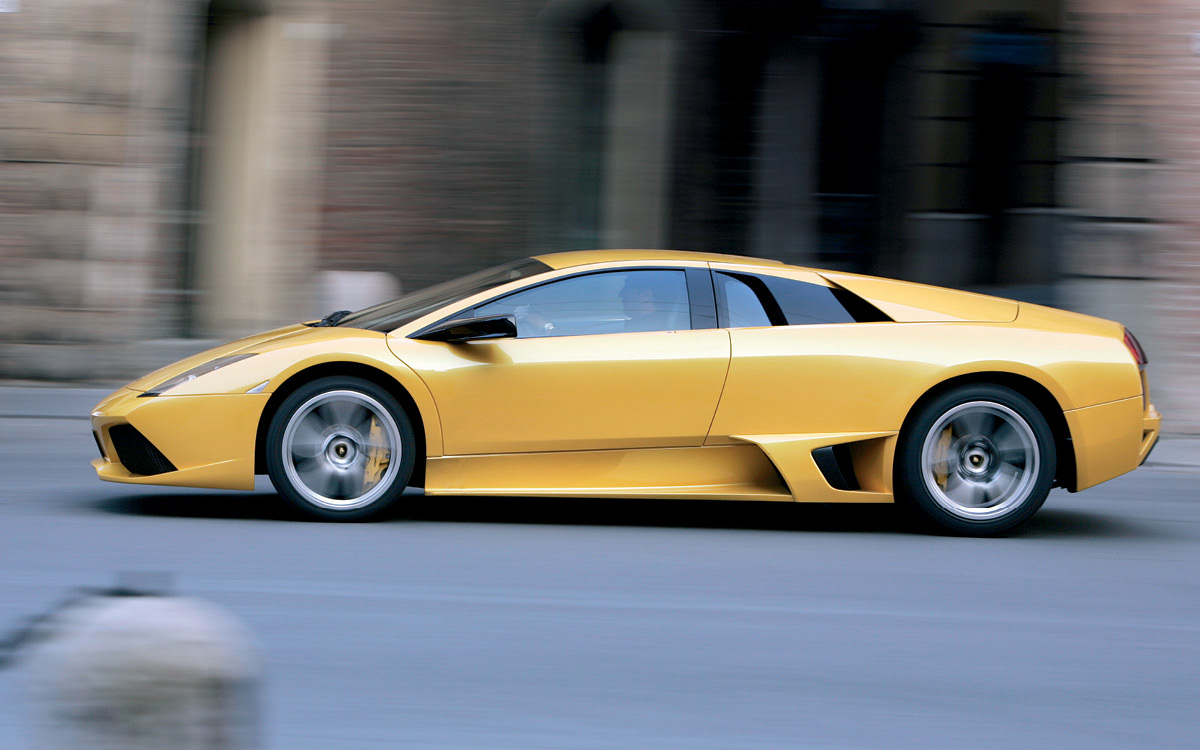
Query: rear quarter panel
[867,377]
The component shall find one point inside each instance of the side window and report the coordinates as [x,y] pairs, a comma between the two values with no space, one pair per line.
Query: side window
[806,304]
[739,304]
[606,302]
[757,299]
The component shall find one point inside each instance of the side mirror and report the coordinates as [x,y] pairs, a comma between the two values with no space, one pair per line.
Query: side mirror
[471,329]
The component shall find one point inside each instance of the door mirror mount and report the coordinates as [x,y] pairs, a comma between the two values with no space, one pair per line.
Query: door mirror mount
[463,330]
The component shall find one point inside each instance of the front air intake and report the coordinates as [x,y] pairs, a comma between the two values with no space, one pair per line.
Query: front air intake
[136,453]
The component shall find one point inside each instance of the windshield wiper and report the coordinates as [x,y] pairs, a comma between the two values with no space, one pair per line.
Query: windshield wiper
[331,319]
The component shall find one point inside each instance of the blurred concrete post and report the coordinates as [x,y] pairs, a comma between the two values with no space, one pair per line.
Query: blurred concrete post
[142,672]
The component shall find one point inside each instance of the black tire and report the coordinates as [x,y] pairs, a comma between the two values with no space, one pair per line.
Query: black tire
[340,449]
[978,460]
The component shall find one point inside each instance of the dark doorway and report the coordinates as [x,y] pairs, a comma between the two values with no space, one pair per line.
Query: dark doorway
[858,69]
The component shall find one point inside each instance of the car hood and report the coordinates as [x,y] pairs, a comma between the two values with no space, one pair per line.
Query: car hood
[161,375]
[909,302]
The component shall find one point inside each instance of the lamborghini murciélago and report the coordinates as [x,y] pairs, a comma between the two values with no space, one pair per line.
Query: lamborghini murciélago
[654,374]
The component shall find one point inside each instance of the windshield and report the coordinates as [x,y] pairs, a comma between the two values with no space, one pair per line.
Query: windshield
[390,315]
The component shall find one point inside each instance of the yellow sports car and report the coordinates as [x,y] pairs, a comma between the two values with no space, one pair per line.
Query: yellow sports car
[654,374]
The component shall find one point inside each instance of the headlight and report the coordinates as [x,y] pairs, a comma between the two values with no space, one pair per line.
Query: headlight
[194,373]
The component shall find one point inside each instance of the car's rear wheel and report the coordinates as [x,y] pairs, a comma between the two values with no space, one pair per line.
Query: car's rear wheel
[340,448]
[976,460]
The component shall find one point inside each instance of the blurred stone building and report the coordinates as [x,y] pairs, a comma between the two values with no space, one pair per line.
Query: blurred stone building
[178,171]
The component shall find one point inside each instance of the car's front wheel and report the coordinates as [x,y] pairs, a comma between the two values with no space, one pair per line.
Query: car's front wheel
[976,460]
[340,448]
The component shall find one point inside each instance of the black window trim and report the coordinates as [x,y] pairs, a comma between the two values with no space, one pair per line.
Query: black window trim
[702,298]
[702,304]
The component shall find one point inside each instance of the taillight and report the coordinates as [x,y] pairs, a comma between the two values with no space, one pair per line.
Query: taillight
[1139,354]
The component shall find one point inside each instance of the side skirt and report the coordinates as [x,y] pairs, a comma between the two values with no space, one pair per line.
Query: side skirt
[758,467]
[731,472]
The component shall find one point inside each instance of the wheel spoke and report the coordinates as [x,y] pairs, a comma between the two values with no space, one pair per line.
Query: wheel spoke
[360,419]
[1009,447]
[318,476]
[967,492]
[347,484]
[356,479]
[343,412]
[953,486]
[307,439]
[977,422]
[974,494]
[1007,477]
[1015,457]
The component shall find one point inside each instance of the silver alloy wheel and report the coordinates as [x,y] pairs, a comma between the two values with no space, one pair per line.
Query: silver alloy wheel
[341,450]
[980,460]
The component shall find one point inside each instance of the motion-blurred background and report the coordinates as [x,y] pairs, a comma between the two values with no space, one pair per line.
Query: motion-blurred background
[174,171]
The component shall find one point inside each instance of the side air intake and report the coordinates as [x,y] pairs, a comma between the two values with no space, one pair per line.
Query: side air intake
[837,466]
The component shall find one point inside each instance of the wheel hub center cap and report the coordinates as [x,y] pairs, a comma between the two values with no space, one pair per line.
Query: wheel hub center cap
[976,459]
[341,450]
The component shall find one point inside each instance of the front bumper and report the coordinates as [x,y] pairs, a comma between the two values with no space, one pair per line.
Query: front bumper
[209,441]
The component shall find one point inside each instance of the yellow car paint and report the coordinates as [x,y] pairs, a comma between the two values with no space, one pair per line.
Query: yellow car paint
[906,302]
[782,378]
[624,390]
[793,456]
[728,472]
[210,439]
[568,261]
[731,413]
[146,382]
[1114,440]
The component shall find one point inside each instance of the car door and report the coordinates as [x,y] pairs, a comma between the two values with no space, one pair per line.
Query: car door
[806,358]
[621,358]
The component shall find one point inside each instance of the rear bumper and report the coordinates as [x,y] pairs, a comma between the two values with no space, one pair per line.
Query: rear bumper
[1112,439]
[208,440]
[1151,429]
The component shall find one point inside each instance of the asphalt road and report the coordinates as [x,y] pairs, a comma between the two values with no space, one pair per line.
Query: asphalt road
[552,624]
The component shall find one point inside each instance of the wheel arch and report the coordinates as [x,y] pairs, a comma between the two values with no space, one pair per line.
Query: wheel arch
[1038,394]
[344,369]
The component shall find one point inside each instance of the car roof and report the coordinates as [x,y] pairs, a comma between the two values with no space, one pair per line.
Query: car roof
[587,257]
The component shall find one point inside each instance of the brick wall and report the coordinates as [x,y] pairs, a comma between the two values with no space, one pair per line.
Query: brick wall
[437,152]
[1133,181]
[1176,109]
[86,162]
[433,135]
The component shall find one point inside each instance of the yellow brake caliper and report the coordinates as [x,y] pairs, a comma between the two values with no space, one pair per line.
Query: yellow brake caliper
[378,457]
[941,457]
